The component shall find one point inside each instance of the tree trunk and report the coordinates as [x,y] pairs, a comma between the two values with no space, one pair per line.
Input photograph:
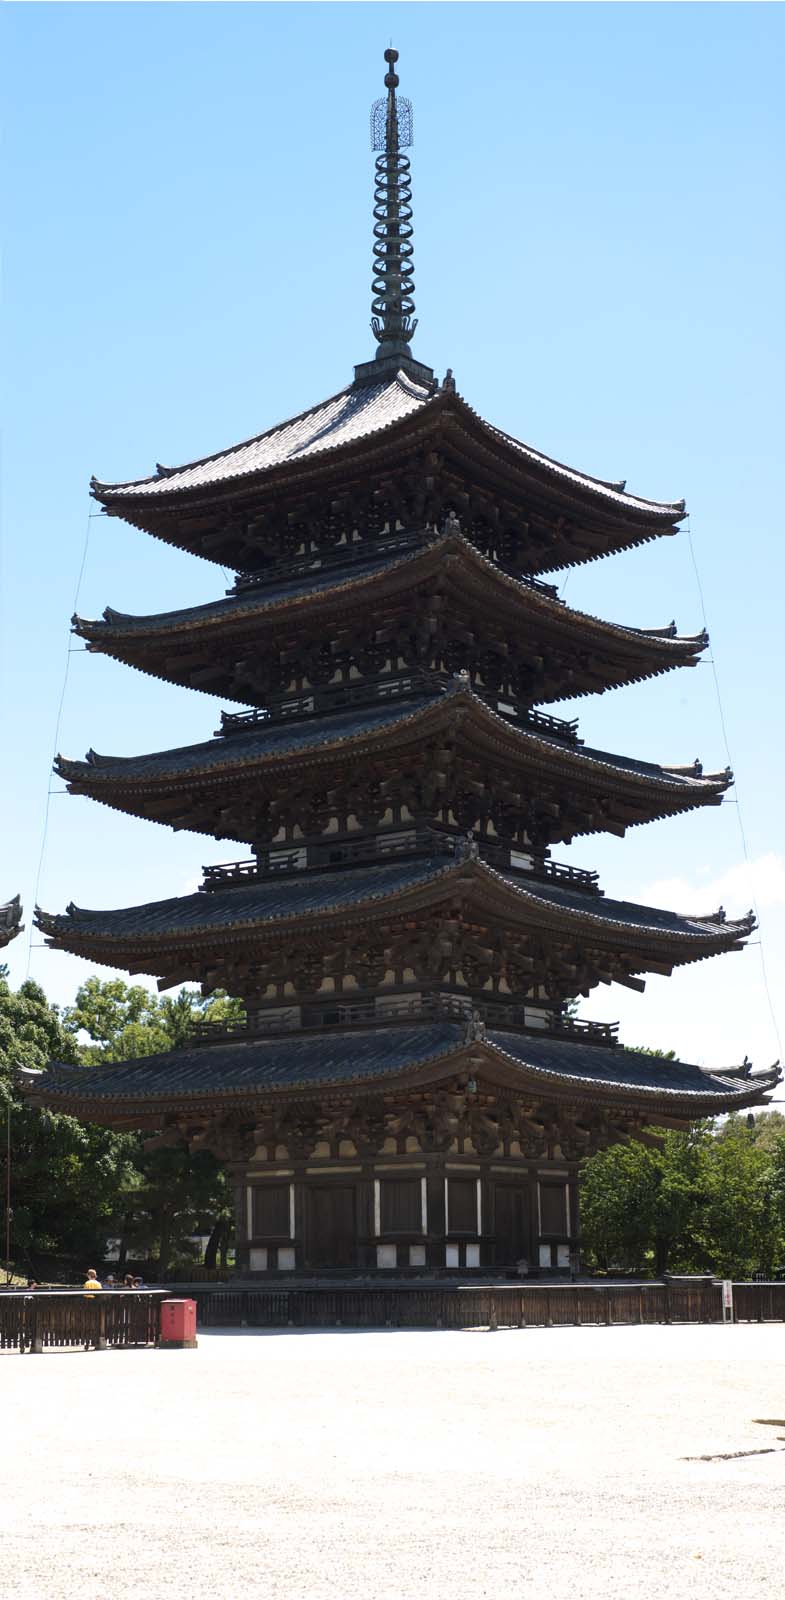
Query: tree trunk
[165,1245]
[226,1238]
[122,1255]
[211,1248]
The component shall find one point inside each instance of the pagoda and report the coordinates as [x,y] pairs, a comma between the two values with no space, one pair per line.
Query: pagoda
[410,1090]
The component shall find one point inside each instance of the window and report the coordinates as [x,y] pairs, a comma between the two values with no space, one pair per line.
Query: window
[401,1205]
[553,1208]
[462,1205]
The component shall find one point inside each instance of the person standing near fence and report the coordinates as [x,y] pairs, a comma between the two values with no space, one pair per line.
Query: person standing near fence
[91,1281]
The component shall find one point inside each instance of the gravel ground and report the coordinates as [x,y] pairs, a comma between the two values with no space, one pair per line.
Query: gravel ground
[380,1466]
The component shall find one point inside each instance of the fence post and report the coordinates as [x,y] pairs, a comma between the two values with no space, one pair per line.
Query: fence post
[36,1345]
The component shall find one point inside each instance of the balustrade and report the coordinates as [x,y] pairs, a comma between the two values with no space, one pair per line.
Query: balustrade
[382,688]
[371,1011]
[356,553]
[405,842]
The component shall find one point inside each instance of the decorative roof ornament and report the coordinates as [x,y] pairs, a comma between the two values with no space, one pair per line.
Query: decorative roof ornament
[392,307]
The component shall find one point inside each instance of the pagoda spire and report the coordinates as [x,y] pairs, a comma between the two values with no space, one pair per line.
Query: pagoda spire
[392,323]
[392,320]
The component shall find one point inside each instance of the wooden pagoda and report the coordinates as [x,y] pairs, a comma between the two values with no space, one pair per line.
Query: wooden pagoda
[410,1090]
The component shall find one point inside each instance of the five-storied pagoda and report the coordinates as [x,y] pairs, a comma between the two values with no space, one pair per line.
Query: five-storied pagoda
[410,1090]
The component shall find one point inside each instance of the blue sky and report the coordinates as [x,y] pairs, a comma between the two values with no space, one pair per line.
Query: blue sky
[598,196]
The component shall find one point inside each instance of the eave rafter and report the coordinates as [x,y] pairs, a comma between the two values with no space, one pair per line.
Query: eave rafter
[562,516]
[186,1088]
[429,752]
[562,936]
[442,599]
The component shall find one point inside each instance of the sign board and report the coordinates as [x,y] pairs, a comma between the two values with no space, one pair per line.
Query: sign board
[727,1300]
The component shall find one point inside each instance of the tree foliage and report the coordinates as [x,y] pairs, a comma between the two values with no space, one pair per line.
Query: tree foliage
[76,1185]
[65,1177]
[708,1200]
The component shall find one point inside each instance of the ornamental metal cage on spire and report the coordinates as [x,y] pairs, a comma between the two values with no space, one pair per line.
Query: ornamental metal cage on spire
[392,323]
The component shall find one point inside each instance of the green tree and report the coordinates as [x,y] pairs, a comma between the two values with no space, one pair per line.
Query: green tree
[170,1194]
[123,1021]
[708,1200]
[66,1178]
[737,1230]
[638,1202]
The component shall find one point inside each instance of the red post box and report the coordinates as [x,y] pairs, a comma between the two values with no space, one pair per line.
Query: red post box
[178,1325]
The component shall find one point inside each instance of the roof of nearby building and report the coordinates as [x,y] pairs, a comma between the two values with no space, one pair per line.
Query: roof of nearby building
[359,412]
[10,920]
[240,1068]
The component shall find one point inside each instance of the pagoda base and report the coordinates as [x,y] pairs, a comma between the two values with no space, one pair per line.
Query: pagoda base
[420,1216]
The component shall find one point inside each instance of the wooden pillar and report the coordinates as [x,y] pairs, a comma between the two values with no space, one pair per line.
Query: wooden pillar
[534,1220]
[436,1219]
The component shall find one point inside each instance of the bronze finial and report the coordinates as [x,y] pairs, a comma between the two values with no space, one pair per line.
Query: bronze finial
[392,323]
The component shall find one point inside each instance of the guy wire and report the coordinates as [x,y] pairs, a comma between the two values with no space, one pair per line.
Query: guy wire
[69,652]
[723,726]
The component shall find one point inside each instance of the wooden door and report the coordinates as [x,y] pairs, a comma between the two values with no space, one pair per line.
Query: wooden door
[332,1225]
[512,1226]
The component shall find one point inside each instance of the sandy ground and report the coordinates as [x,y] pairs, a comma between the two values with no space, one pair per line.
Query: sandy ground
[550,1463]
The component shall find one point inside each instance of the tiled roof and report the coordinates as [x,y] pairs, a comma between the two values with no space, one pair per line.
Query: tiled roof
[356,413]
[659,644]
[293,896]
[267,741]
[238,1068]
[345,417]
[10,920]
[621,1068]
[233,607]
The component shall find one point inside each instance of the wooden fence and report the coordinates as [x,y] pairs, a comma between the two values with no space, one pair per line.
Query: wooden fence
[488,1306]
[34,1322]
[56,1319]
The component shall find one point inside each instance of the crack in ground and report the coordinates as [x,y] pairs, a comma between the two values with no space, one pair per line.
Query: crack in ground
[733,1455]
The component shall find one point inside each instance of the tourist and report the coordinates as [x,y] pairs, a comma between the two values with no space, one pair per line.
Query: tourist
[109,1282]
[139,1283]
[128,1281]
[91,1281]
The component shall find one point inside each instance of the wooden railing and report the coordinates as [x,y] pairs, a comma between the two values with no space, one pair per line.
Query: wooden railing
[353,555]
[43,1319]
[383,687]
[364,1013]
[384,847]
[489,1306]
[34,1322]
